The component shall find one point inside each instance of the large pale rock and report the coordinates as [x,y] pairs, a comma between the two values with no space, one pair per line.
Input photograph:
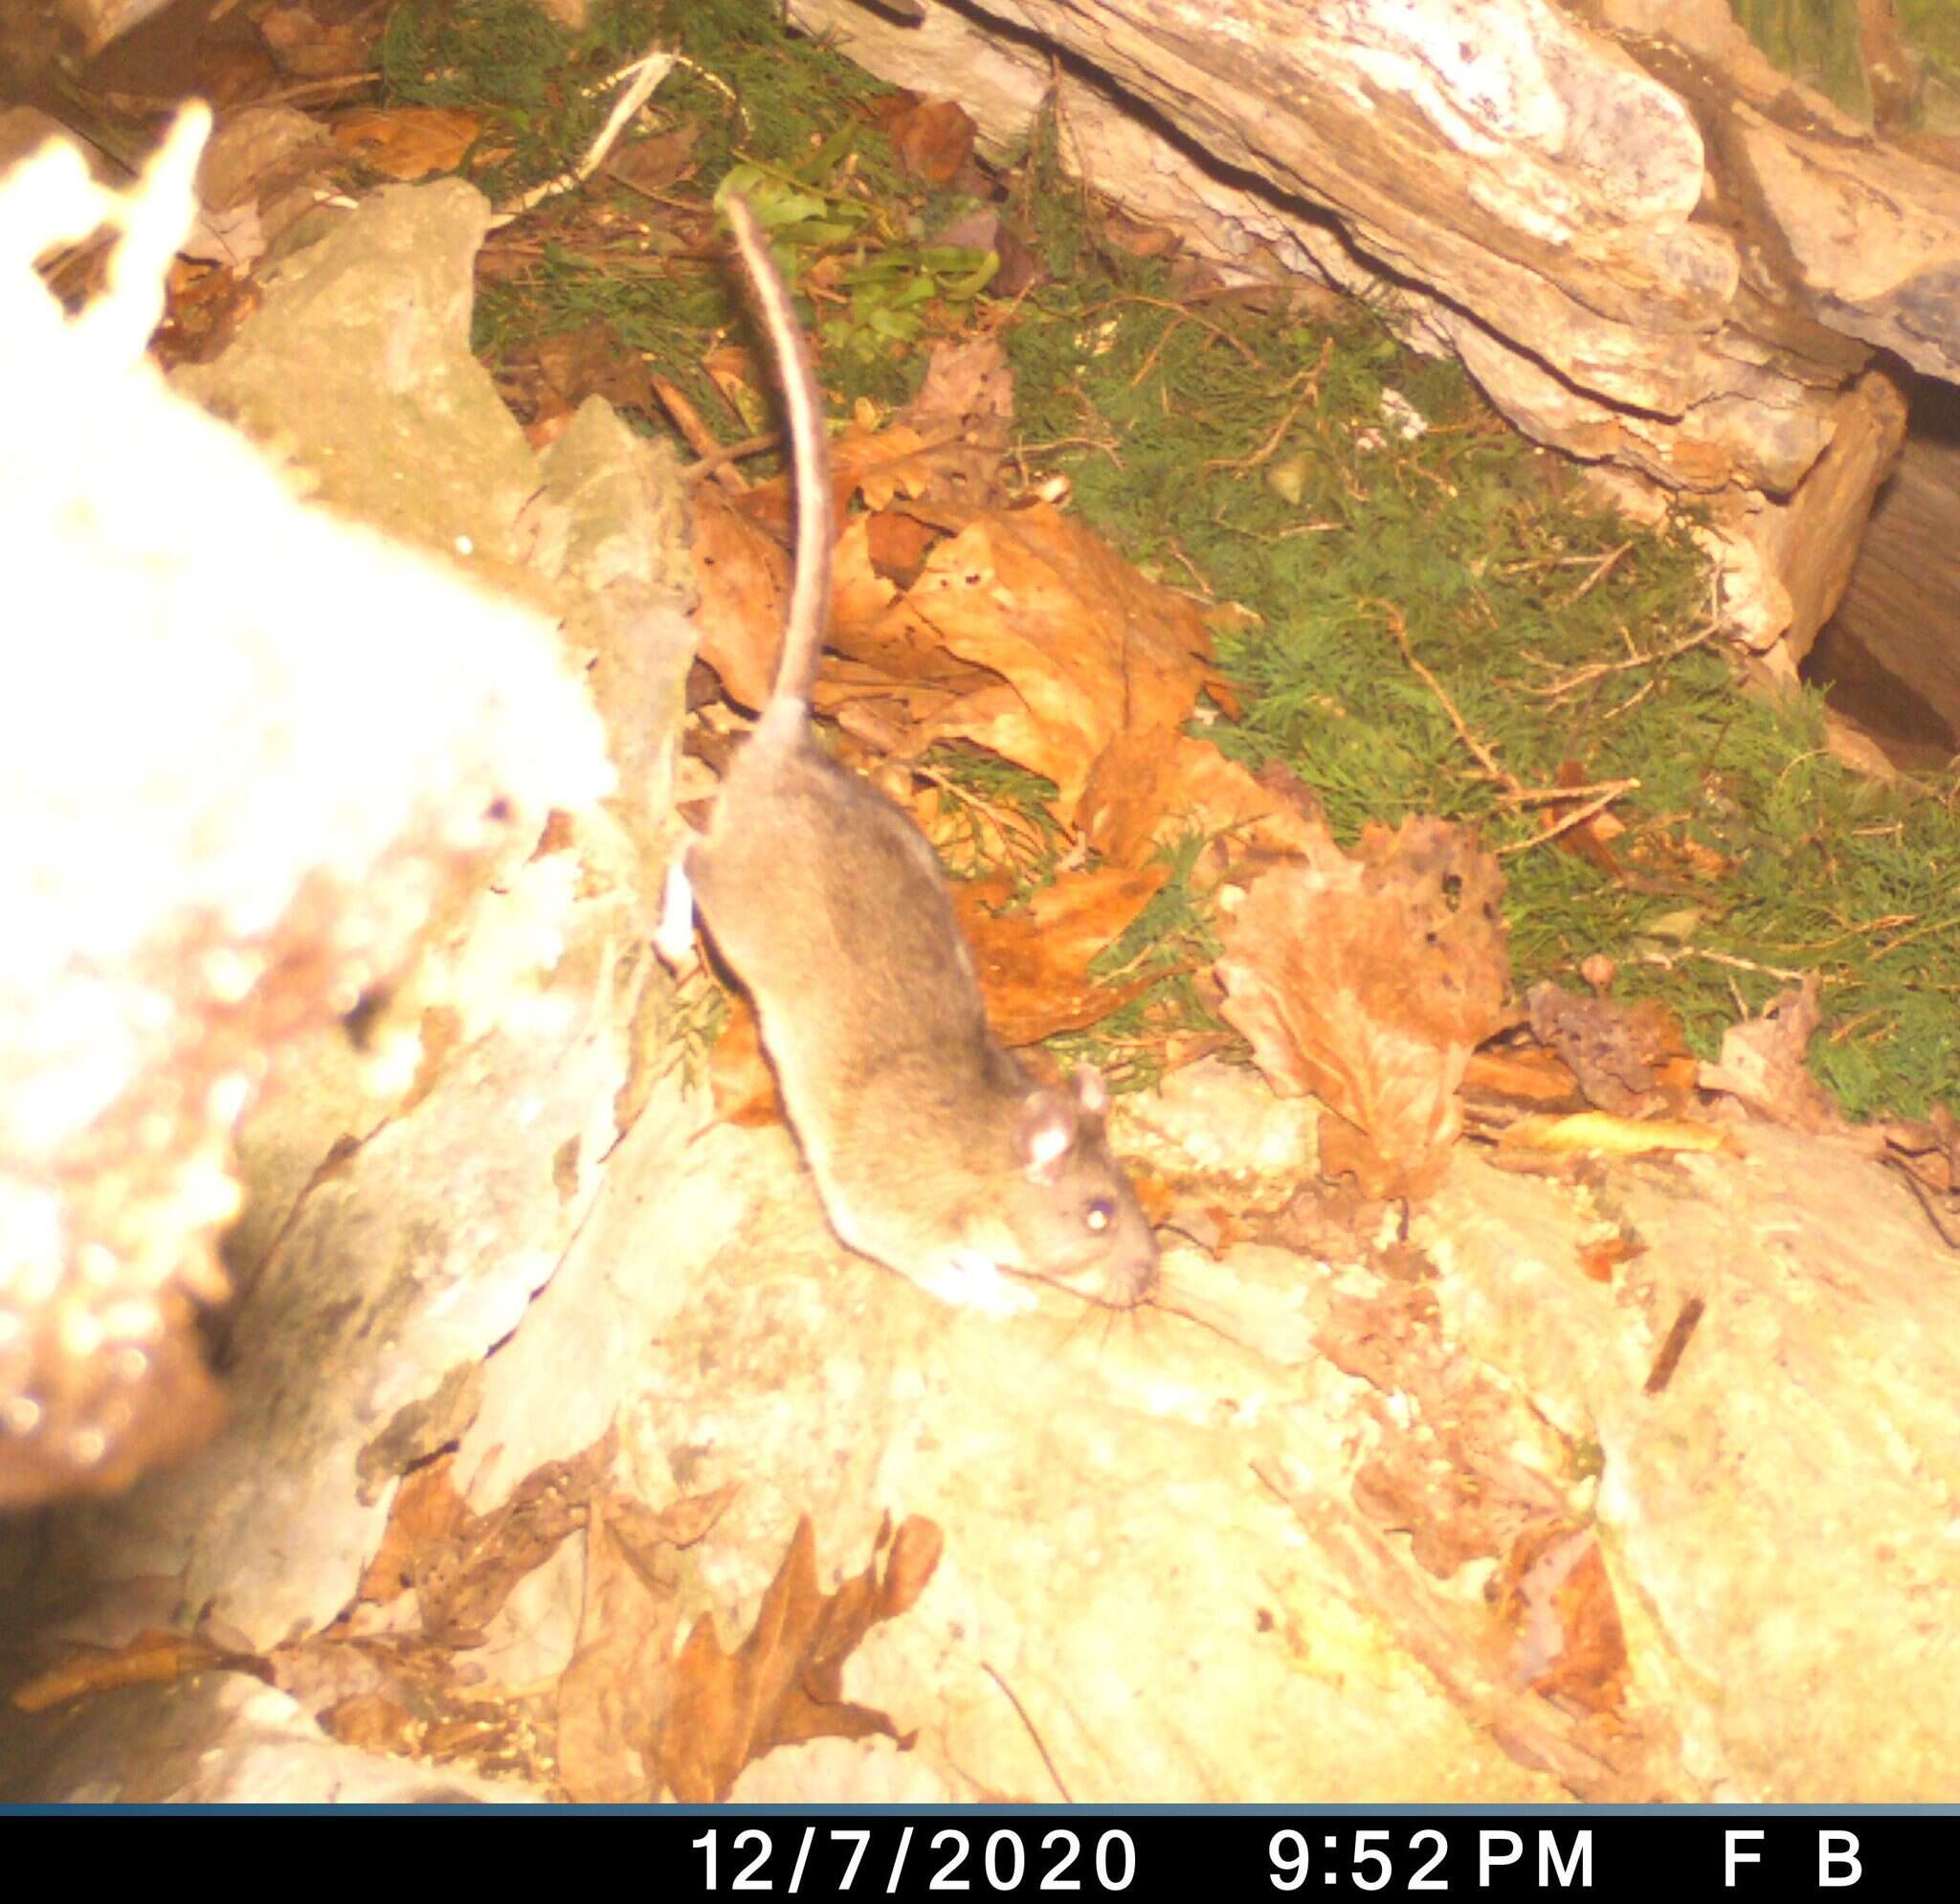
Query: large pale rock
[1648,246]
[249,754]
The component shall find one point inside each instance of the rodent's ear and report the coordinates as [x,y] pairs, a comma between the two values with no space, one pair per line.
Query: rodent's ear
[1044,1133]
[1092,1094]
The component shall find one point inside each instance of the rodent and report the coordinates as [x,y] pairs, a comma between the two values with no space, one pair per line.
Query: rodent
[934,1151]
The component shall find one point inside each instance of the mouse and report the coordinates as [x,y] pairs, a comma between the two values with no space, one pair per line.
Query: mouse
[934,1151]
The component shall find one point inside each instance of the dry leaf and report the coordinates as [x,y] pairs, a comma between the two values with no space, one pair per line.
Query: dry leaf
[881,464]
[311,42]
[1598,1134]
[407,142]
[1532,1076]
[744,578]
[427,1511]
[1629,1059]
[783,1682]
[1599,1259]
[875,627]
[1368,981]
[1033,964]
[371,1722]
[896,545]
[591,361]
[966,410]
[1927,1149]
[932,140]
[1762,1063]
[657,161]
[739,1074]
[1558,1600]
[613,1694]
[1090,649]
[1149,788]
[464,1569]
[1591,840]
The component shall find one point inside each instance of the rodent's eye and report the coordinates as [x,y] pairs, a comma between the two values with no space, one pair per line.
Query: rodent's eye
[1099,1215]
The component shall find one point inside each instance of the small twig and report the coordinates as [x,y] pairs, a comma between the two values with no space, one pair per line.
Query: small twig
[1599,573]
[1311,380]
[1155,351]
[696,435]
[647,71]
[1594,670]
[1928,1204]
[1486,758]
[1633,700]
[329,86]
[1191,569]
[1218,330]
[1021,1711]
[711,463]
[1021,843]
[1919,932]
[1604,792]
[1590,810]
[1551,797]
[1672,1349]
[1668,961]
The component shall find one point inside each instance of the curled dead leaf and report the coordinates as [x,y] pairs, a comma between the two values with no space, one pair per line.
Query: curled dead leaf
[739,1075]
[407,142]
[1626,1058]
[1762,1063]
[1599,1134]
[1368,981]
[1557,1598]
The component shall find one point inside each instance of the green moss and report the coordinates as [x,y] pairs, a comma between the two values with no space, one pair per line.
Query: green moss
[1812,41]
[1557,632]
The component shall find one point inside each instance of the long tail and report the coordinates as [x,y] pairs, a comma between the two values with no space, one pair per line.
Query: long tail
[810,593]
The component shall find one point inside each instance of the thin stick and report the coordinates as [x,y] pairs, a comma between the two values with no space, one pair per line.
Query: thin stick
[1312,382]
[1218,330]
[1668,961]
[1023,1711]
[1614,789]
[1485,759]
[647,71]
[1598,574]
[696,435]
[1594,670]
[749,446]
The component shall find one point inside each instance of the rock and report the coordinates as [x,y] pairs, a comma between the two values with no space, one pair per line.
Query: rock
[201,881]
[1645,243]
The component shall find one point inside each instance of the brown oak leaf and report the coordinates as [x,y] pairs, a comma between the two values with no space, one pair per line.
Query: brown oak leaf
[784,1683]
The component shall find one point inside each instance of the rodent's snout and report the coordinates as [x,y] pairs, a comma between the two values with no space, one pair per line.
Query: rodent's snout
[1132,1278]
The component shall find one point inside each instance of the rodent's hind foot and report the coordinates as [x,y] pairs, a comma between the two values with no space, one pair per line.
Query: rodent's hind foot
[674,935]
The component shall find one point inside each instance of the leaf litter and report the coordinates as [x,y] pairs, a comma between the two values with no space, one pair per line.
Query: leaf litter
[633,1717]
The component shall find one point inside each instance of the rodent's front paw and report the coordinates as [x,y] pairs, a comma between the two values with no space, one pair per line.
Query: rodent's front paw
[674,935]
[970,1280]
